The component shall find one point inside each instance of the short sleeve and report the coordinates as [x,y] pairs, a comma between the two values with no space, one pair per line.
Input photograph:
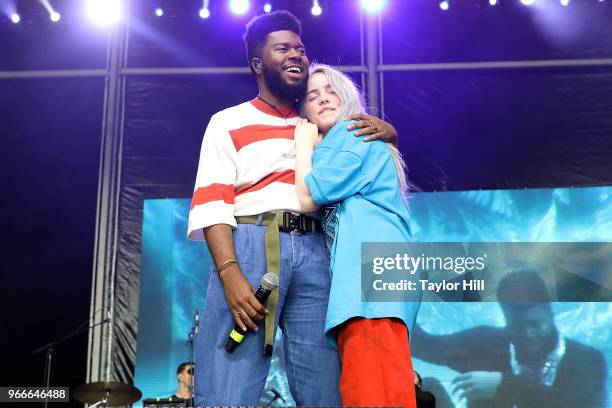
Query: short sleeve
[335,175]
[213,197]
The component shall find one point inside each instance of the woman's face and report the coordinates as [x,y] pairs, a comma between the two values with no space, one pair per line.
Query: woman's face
[322,103]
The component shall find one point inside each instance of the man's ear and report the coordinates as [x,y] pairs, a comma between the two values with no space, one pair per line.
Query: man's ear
[256,63]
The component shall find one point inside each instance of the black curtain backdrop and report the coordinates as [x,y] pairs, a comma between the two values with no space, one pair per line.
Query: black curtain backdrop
[459,130]
[50,142]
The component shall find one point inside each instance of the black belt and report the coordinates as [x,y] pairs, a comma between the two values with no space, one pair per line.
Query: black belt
[288,221]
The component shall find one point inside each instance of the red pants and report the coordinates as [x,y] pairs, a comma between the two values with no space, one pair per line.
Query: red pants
[376,364]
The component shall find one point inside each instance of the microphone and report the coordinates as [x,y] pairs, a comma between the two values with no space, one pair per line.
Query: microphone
[277,395]
[269,282]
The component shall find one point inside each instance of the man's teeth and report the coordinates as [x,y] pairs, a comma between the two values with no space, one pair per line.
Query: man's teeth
[296,70]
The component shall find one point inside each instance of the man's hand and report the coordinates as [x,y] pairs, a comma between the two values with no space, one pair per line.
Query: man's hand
[477,385]
[374,127]
[247,311]
[238,292]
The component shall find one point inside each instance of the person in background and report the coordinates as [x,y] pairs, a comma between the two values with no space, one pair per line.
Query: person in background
[424,399]
[184,376]
[527,363]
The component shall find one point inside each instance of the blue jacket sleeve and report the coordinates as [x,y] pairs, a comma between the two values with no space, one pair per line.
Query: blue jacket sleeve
[337,169]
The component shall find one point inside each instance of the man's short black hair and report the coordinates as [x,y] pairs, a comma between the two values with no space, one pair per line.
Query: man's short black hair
[419,379]
[182,366]
[260,26]
[520,290]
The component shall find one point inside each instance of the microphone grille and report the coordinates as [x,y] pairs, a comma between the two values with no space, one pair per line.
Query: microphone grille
[269,281]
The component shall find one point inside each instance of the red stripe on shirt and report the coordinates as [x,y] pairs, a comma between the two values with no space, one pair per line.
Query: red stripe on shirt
[279,112]
[256,133]
[285,176]
[213,192]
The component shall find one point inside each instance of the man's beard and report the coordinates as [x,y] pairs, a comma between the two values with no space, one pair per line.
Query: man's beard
[281,88]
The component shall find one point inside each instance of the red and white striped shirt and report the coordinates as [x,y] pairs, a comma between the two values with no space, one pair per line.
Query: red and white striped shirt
[247,166]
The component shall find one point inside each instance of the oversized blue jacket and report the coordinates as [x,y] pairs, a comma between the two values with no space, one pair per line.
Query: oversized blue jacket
[361,179]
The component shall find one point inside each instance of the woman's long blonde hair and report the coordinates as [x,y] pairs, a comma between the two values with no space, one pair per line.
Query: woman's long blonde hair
[353,102]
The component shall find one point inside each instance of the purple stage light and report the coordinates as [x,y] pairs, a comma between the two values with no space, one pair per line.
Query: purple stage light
[564,3]
[373,6]
[528,2]
[104,12]
[239,7]
[159,12]
[55,16]
[444,5]
[493,2]
[267,7]
[15,18]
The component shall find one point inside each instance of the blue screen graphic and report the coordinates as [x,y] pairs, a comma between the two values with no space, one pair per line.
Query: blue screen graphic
[175,274]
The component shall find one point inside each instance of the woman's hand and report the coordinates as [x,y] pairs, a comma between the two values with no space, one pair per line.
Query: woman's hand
[306,133]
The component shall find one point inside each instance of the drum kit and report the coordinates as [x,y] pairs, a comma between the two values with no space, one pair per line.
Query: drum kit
[106,394]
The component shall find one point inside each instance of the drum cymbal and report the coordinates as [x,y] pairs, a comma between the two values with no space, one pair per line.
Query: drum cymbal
[118,393]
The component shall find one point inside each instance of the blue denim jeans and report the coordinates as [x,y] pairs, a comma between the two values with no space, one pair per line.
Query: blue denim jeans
[311,363]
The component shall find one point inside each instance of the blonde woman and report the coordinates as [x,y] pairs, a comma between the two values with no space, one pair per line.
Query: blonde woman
[363,187]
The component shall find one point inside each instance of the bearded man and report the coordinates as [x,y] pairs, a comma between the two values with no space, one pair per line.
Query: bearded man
[245,207]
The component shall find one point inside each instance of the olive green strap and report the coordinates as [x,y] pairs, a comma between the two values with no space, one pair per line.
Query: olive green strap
[272,244]
[272,241]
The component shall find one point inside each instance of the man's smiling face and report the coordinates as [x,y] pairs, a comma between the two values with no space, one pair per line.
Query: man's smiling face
[284,64]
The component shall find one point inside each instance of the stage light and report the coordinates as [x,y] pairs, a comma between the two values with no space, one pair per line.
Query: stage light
[528,2]
[493,2]
[372,6]
[239,7]
[444,5]
[104,12]
[204,13]
[267,7]
[564,3]
[159,12]
[15,18]
[316,8]
[54,16]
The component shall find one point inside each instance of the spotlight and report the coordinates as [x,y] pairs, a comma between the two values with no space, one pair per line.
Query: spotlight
[493,2]
[15,18]
[239,7]
[55,16]
[316,8]
[204,13]
[372,6]
[267,7]
[444,5]
[564,3]
[104,12]
[528,2]
[159,12]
